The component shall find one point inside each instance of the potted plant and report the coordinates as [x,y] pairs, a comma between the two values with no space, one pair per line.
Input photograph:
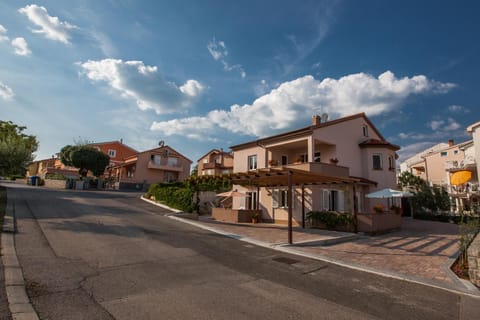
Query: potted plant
[378,208]
[255,217]
[273,162]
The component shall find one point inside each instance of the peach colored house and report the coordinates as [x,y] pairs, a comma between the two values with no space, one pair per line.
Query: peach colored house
[116,150]
[52,165]
[332,164]
[431,164]
[162,164]
[215,162]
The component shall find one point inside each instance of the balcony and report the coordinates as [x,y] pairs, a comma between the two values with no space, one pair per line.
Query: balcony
[322,168]
[212,165]
[165,165]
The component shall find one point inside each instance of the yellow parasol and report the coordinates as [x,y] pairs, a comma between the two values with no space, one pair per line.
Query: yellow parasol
[460,177]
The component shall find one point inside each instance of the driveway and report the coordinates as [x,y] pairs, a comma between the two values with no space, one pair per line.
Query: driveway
[421,251]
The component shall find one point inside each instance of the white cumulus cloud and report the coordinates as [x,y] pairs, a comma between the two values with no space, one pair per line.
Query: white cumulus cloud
[449,125]
[21,47]
[144,84]
[458,109]
[295,101]
[6,92]
[51,27]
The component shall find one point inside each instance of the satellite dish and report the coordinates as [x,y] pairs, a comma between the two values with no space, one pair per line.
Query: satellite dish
[324,117]
[161,143]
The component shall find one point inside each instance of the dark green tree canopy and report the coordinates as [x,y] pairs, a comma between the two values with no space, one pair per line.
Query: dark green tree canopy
[16,148]
[85,158]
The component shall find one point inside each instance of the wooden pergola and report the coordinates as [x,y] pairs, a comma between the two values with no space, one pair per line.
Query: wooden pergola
[284,176]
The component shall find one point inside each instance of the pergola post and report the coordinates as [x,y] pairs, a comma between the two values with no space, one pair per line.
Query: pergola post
[258,198]
[289,201]
[303,206]
[355,208]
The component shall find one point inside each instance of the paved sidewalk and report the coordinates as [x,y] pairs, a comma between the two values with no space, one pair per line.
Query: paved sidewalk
[421,251]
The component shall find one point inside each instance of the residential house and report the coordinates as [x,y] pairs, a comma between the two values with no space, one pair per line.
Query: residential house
[215,162]
[439,164]
[117,151]
[51,166]
[463,179]
[430,164]
[416,164]
[162,164]
[330,165]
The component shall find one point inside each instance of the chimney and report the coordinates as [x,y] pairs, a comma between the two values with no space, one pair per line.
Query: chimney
[121,140]
[316,120]
[450,142]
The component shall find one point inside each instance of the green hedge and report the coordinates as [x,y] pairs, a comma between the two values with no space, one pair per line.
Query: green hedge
[331,219]
[173,195]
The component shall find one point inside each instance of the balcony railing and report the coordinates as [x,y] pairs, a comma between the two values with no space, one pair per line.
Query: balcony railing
[320,167]
[165,165]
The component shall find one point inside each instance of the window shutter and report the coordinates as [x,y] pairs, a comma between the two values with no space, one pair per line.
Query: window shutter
[275,195]
[340,201]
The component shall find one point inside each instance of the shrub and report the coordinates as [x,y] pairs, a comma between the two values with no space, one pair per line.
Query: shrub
[331,219]
[55,176]
[173,195]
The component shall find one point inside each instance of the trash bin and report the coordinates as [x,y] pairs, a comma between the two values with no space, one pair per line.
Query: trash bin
[33,180]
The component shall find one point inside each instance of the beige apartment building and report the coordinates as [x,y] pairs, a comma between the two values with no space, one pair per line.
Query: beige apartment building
[333,165]
[162,164]
[452,166]
[215,162]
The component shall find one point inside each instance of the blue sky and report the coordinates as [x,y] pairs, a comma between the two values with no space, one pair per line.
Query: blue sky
[210,74]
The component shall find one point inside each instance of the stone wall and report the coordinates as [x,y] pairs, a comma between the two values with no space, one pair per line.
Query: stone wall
[55,184]
[474,261]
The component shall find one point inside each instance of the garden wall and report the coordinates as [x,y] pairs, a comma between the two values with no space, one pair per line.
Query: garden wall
[474,261]
[374,223]
[230,215]
[55,184]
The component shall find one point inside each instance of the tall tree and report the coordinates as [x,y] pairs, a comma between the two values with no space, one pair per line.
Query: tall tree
[16,148]
[85,158]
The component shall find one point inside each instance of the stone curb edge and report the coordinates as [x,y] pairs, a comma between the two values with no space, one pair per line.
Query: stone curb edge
[468,290]
[18,301]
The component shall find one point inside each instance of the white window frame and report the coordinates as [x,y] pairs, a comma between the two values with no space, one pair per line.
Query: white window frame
[332,200]
[443,153]
[252,162]
[112,153]
[365,130]
[280,198]
[251,200]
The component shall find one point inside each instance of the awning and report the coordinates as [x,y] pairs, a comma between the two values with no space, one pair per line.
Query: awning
[275,177]
[389,193]
[460,177]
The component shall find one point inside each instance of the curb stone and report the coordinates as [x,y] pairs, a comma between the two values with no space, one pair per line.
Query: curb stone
[466,289]
[18,301]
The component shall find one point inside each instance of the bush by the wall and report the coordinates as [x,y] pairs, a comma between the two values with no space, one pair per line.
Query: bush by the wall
[331,219]
[173,195]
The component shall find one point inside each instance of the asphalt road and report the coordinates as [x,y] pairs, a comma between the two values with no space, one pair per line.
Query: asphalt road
[109,255]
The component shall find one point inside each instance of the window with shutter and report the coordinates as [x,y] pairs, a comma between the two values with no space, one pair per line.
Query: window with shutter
[275,198]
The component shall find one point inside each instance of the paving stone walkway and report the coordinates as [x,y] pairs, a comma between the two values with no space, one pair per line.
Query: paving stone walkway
[421,250]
